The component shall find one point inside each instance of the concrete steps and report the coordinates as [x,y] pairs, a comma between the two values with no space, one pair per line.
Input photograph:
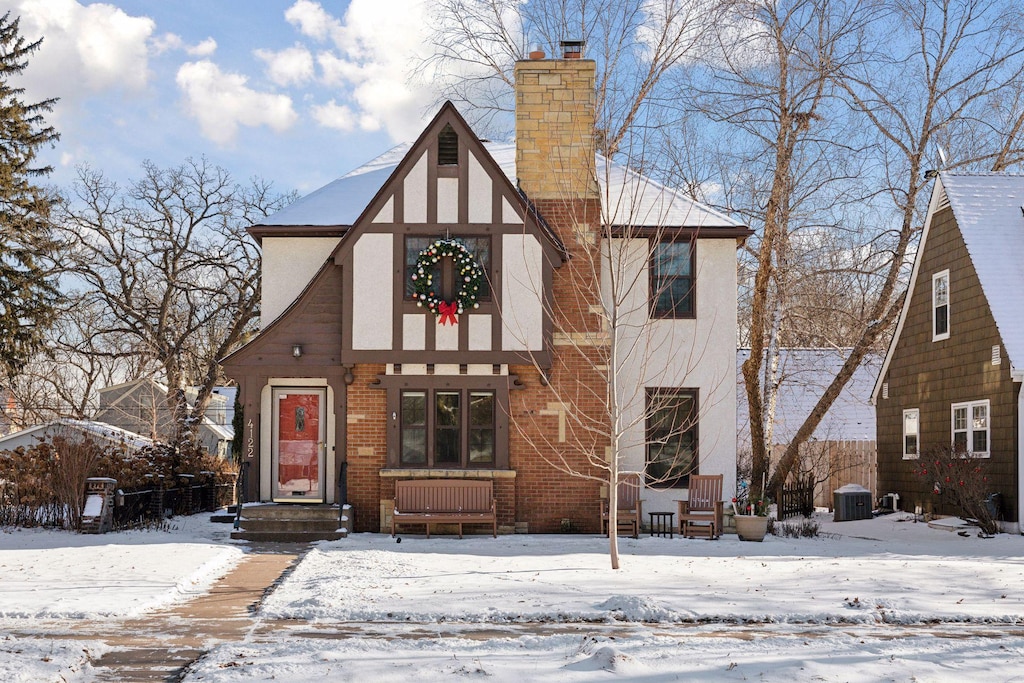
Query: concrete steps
[292,523]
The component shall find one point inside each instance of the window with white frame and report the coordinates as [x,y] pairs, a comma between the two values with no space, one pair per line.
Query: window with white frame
[911,433]
[971,428]
[940,306]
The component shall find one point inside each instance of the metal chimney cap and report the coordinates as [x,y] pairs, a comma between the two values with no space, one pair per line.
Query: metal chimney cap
[572,49]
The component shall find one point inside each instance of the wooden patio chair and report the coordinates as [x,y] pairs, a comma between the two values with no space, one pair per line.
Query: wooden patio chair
[701,515]
[630,505]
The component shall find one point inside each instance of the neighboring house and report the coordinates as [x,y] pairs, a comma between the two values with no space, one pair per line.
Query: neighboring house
[141,407]
[842,449]
[349,371]
[952,375]
[78,429]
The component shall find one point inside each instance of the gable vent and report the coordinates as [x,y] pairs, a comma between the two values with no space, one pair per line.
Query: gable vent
[885,390]
[996,356]
[943,200]
[447,147]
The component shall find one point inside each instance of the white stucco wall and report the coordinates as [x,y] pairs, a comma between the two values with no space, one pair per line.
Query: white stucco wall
[372,296]
[522,294]
[415,190]
[289,263]
[694,354]
[479,192]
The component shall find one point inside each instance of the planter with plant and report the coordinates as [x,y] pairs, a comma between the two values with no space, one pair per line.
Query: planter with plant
[752,518]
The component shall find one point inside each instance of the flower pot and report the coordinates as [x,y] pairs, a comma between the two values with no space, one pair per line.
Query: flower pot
[751,527]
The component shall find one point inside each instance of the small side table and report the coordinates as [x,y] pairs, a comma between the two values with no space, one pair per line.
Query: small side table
[662,523]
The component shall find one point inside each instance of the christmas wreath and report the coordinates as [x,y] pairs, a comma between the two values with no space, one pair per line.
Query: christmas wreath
[468,273]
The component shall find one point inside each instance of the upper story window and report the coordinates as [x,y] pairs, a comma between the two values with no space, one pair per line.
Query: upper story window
[672,280]
[940,306]
[971,428]
[447,147]
[671,437]
[911,433]
[479,247]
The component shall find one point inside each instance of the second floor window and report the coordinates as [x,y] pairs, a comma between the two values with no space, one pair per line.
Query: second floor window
[479,247]
[672,280]
[940,306]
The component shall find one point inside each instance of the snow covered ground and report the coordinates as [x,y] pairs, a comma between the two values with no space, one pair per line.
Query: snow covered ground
[53,574]
[871,600]
[882,599]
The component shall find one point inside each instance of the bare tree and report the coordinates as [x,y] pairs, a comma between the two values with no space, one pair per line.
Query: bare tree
[635,43]
[959,59]
[168,265]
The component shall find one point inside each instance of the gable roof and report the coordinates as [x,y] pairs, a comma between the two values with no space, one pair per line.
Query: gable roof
[989,212]
[627,197]
[91,428]
[806,373]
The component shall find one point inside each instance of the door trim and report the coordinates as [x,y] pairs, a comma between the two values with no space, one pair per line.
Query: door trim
[266,433]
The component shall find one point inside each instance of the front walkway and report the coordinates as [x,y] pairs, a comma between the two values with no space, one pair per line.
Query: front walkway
[159,645]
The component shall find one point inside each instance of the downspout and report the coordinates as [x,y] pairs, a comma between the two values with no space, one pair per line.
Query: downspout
[1018,380]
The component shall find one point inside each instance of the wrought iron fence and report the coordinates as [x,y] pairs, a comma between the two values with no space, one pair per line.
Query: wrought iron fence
[140,507]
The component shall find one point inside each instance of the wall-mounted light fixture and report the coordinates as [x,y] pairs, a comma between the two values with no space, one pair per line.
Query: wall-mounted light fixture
[348,377]
[297,350]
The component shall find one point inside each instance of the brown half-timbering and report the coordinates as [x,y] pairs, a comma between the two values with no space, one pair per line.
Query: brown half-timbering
[394,385]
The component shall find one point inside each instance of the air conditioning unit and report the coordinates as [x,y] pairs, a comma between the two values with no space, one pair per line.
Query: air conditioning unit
[851,502]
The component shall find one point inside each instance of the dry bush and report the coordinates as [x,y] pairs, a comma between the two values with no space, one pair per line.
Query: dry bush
[961,481]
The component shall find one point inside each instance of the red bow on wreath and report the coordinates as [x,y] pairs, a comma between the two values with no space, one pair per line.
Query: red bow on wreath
[448,312]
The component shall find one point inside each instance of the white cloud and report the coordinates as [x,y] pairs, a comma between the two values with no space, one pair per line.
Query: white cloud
[203,48]
[336,116]
[172,41]
[291,66]
[86,48]
[374,48]
[221,102]
[311,20]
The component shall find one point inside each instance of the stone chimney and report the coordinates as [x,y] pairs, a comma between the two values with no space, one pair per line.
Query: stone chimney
[555,118]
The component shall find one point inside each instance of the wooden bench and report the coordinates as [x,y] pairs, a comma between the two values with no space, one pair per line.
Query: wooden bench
[444,501]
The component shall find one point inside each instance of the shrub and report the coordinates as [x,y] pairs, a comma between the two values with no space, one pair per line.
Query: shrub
[960,480]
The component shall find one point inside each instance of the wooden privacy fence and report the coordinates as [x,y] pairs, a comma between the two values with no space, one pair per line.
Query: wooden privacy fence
[827,465]
[852,462]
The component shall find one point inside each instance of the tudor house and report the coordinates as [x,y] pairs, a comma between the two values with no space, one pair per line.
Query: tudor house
[952,375]
[437,313]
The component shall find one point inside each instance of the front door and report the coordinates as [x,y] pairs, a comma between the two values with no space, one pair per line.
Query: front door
[299,445]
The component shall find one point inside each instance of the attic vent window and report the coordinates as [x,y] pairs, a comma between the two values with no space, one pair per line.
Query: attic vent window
[885,390]
[996,355]
[447,147]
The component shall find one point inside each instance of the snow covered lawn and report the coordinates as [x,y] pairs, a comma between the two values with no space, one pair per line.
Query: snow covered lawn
[864,572]
[53,574]
[873,600]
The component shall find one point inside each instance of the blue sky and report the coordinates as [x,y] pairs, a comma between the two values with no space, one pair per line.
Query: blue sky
[294,91]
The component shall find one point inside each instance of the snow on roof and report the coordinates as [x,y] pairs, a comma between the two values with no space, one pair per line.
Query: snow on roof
[988,210]
[806,373]
[628,198]
[90,427]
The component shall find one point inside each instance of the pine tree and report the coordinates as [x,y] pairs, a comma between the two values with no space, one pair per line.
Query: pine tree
[27,292]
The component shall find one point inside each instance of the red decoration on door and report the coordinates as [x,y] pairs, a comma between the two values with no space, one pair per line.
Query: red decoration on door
[448,312]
